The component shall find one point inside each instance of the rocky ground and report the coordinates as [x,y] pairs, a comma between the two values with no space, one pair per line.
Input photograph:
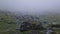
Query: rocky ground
[10,23]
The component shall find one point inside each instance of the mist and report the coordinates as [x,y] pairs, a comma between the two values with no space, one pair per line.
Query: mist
[30,6]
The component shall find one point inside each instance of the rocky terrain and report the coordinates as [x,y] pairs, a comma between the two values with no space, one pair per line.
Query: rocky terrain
[12,23]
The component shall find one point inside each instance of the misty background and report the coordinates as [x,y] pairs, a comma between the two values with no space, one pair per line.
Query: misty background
[30,6]
[33,16]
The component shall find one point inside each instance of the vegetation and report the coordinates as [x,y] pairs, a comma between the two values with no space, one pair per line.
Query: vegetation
[10,22]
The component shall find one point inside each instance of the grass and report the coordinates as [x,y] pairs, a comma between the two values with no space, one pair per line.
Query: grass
[11,28]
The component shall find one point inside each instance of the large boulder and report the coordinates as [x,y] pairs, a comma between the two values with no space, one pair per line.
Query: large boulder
[25,26]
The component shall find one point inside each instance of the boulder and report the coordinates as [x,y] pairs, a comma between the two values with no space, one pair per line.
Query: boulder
[25,26]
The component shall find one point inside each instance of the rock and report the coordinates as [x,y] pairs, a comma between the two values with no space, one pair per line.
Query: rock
[29,26]
[56,26]
[25,26]
[1,19]
[53,33]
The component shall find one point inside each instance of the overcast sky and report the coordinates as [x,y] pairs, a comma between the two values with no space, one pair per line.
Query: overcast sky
[30,5]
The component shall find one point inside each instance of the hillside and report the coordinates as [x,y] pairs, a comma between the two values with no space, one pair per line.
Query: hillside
[6,21]
[10,21]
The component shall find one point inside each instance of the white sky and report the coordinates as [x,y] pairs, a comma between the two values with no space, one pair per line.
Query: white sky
[30,5]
